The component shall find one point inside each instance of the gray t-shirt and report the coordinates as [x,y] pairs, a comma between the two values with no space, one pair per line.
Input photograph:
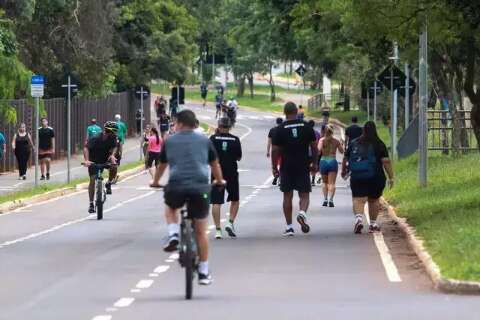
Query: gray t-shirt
[188,155]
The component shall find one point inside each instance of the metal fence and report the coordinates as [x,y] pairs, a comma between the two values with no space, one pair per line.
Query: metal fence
[331,101]
[83,110]
[444,136]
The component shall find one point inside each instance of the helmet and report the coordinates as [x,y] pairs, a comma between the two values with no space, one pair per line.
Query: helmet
[111,126]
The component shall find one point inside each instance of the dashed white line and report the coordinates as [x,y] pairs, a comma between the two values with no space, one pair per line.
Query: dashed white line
[144,284]
[124,302]
[153,275]
[161,269]
[102,317]
[135,291]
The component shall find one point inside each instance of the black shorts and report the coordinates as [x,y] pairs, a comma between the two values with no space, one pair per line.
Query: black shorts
[198,204]
[45,156]
[153,157]
[232,188]
[371,188]
[298,179]
[204,95]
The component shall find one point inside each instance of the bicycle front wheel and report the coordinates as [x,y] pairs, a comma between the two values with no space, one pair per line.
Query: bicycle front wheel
[188,259]
[99,201]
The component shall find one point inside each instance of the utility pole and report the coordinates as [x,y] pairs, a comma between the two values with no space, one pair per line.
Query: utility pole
[407,96]
[37,87]
[423,100]
[375,101]
[393,113]
[69,87]
[368,103]
[141,92]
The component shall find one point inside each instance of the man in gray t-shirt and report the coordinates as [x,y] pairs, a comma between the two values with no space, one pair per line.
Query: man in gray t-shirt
[189,156]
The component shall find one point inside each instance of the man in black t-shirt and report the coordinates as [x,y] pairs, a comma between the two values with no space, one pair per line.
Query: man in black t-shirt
[46,148]
[229,150]
[292,141]
[354,131]
[271,134]
[164,124]
[101,149]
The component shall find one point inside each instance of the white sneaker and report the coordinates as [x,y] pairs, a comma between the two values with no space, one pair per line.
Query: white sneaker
[230,230]
[218,234]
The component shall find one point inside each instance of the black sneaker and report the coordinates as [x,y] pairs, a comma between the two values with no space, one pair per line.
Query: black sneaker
[204,279]
[48,176]
[302,220]
[172,244]
[275,181]
[330,204]
[289,232]
[42,177]
[108,188]
[91,208]
[230,230]
[313,181]
[325,203]
[24,177]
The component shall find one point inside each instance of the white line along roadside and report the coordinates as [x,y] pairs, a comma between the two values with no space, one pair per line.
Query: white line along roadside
[387,260]
[69,223]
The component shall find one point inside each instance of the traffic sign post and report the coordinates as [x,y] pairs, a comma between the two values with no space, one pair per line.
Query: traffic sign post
[69,87]
[301,70]
[37,88]
[143,93]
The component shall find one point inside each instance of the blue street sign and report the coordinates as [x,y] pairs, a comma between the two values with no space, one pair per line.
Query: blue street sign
[38,80]
[37,86]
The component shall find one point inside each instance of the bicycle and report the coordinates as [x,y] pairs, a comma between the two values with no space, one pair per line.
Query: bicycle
[100,192]
[188,252]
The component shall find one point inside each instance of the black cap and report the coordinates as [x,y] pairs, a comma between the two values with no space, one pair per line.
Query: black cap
[224,123]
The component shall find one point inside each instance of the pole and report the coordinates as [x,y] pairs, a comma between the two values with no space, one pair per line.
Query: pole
[368,103]
[391,111]
[141,122]
[69,129]
[394,109]
[407,96]
[213,70]
[375,101]
[37,136]
[423,95]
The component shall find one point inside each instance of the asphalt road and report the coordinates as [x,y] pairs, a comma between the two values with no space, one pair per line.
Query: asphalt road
[58,263]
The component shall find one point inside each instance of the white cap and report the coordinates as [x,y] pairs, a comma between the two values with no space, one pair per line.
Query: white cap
[118,117]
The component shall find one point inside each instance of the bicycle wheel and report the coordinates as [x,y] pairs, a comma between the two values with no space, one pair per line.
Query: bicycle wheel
[99,200]
[188,259]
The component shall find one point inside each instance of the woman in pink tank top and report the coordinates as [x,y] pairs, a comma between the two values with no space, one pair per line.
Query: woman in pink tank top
[154,148]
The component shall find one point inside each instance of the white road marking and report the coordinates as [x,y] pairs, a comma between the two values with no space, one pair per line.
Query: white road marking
[387,260]
[269,117]
[102,317]
[249,131]
[161,269]
[111,309]
[124,302]
[135,291]
[174,256]
[169,260]
[153,275]
[69,223]
[144,284]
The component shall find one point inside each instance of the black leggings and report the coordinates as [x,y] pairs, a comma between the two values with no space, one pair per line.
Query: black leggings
[22,160]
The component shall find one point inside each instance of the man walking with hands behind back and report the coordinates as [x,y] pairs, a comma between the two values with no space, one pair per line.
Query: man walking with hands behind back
[229,152]
[292,142]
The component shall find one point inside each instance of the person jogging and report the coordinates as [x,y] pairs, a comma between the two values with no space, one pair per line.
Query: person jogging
[204,92]
[328,147]
[100,149]
[354,131]
[218,105]
[292,142]
[164,124]
[271,134]
[46,148]
[22,146]
[93,129]
[318,136]
[229,150]
[367,159]
[188,156]
[154,143]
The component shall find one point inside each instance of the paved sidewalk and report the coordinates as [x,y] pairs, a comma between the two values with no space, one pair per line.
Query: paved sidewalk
[9,181]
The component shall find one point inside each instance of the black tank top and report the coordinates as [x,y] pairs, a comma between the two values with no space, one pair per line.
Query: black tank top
[21,143]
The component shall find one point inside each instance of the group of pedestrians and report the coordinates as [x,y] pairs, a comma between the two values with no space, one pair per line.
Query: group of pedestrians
[298,152]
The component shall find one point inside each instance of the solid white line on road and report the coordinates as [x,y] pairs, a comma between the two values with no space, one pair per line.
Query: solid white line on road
[385,256]
[124,302]
[161,269]
[102,317]
[249,131]
[390,267]
[69,223]
[144,284]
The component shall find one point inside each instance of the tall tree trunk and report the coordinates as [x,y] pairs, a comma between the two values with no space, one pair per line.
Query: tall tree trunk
[240,85]
[250,84]
[271,82]
[472,93]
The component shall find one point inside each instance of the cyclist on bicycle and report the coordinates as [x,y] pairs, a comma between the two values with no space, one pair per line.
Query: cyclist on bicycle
[188,156]
[101,149]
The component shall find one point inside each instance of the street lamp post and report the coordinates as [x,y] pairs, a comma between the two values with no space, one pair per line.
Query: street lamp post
[69,87]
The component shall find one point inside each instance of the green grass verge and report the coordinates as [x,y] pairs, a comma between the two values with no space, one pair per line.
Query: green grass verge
[44,188]
[446,213]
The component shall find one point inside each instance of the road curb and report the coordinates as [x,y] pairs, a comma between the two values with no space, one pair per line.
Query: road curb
[433,270]
[50,195]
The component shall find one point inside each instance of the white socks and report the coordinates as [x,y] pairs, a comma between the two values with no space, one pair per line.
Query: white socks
[173,228]
[359,217]
[203,267]
[289,226]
